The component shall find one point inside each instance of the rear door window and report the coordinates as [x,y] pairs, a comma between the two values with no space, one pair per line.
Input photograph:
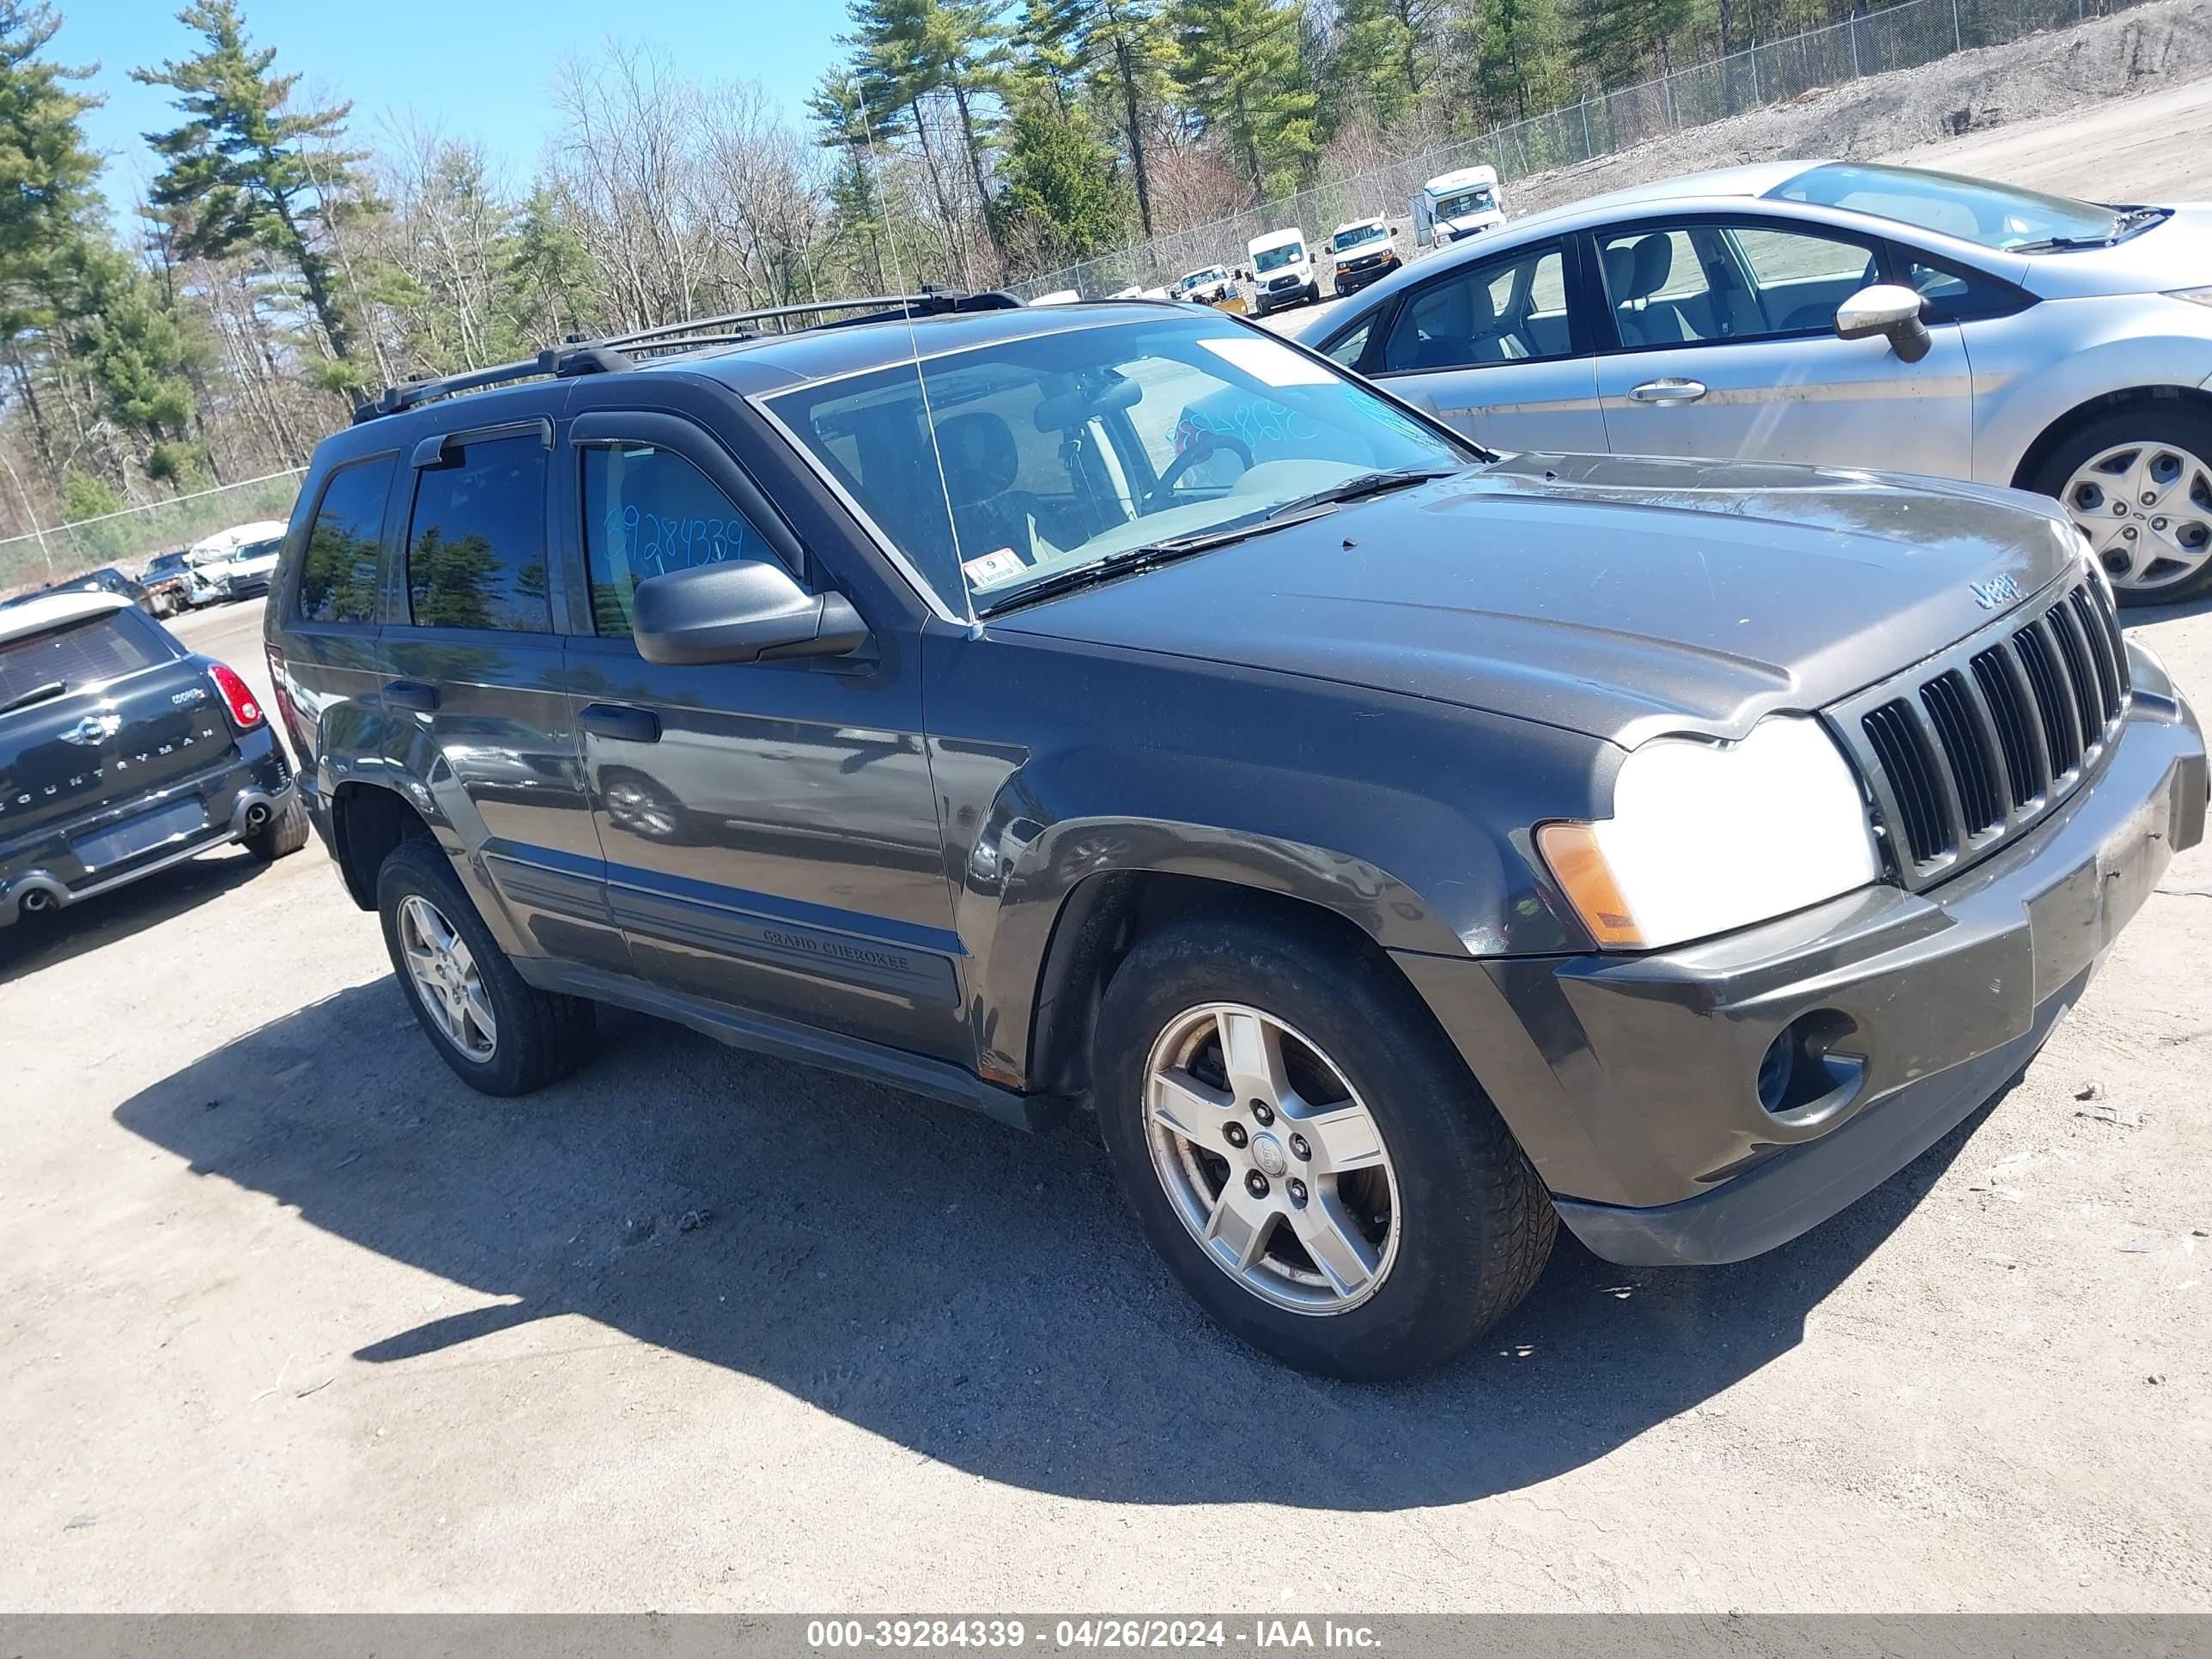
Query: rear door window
[476,541]
[338,574]
[1512,309]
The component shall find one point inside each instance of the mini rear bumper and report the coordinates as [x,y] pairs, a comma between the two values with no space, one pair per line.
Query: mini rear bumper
[235,800]
[1632,1081]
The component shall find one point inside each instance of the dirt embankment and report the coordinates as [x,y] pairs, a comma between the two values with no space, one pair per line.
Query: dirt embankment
[2145,49]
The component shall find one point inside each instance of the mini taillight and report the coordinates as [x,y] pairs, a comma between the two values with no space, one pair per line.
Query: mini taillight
[245,708]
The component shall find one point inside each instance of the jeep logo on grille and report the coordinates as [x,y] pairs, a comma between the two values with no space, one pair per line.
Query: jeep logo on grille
[1998,590]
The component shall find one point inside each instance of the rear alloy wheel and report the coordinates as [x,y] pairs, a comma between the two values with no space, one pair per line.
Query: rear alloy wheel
[2139,485]
[1307,1151]
[500,1033]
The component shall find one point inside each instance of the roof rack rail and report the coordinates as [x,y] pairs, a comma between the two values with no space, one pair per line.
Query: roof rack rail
[561,363]
[876,307]
[609,354]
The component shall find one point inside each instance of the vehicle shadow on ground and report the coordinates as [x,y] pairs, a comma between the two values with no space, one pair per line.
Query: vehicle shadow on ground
[42,941]
[976,1295]
[2142,615]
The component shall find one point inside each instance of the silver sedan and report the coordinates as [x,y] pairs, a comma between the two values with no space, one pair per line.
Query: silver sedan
[1844,313]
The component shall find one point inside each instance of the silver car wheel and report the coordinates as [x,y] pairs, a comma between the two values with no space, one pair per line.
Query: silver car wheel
[2147,510]
[446,978]
[1271,1158]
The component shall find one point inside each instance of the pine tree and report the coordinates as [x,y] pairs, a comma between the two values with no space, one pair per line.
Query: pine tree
[137,358]
[1238,66]
[47,171]
[1121,48]
[1060,181]
[247,170]
[1522,57]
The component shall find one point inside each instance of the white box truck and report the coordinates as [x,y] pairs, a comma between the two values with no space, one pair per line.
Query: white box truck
[1455,204]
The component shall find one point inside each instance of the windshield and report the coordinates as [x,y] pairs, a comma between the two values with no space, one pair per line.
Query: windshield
[1198,278]
[2000,216]
[1468,202]
[1275,259]
[1356,236]
[1060,450]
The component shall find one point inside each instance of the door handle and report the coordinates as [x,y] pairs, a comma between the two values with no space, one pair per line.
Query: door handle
[1670,389]
[410,693]
[611,720]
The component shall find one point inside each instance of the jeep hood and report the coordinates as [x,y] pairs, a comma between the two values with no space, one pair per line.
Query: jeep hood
[1618,596]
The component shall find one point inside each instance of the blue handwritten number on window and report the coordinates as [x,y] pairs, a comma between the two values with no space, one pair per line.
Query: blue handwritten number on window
[658,545]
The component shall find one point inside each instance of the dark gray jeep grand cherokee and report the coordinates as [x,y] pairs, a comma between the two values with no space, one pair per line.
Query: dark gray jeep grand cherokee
[1399,848]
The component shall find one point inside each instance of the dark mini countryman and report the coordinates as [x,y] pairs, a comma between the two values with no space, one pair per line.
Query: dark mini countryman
[122,753]
[1399,848]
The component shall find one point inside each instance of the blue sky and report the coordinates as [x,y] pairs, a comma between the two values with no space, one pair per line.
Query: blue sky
[473,68]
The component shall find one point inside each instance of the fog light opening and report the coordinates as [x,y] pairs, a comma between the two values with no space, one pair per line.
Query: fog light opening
[1802,1067]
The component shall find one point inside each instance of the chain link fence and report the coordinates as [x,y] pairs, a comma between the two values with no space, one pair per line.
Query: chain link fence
[1899,37]
[130,538]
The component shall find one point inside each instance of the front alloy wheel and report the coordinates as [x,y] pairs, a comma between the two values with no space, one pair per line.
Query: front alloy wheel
[1271,1160]
[2147,510]
[1306,1150]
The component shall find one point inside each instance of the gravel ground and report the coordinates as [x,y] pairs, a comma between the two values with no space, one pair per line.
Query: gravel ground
[290,1320]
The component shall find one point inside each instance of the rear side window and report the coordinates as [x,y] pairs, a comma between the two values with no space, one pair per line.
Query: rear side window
[338,576]
[647,511]
[476,542]
[82,654]
[1508,310]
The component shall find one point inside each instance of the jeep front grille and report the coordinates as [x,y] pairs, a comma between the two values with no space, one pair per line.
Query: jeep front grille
[1969,749]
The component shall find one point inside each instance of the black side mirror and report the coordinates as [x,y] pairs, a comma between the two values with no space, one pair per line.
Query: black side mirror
[740,611]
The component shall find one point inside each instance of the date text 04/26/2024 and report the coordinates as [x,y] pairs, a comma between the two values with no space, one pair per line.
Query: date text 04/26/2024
[835,1635]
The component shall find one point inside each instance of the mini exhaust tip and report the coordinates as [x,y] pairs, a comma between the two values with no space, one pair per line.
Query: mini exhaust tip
[35,900]
[256,817]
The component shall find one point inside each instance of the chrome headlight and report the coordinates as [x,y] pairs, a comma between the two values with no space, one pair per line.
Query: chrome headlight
[1707,836]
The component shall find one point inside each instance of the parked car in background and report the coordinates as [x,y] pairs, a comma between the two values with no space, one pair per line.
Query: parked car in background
[1846,313]
[123,753]
[173,583]
[1364,252]
[1402,848]
[1456,205]
[105,579]
[1282,272]
[1209,287]
[245,573]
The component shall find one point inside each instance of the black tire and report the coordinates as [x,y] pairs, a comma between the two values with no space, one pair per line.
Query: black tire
[541,1037]
[1475,1224]
[1313,294]
[2172,423]
[284,834]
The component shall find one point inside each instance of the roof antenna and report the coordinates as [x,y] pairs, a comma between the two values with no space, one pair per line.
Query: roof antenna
[913,344]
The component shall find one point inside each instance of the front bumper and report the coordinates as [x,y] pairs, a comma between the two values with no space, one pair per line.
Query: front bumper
[1351,282]
[1632,1081]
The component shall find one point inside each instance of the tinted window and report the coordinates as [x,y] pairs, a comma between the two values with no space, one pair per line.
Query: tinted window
[338,576]
[82,654]
[1710,283]
[648,511]
[1509,310]
[1958,296]
[476,542]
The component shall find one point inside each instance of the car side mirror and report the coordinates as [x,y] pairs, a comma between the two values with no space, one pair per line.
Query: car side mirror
[740,611]
[1885,308]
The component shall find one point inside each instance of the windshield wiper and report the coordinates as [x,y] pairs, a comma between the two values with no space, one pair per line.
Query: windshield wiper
[1152,555]
[36,694]
[1361,485]
[2126,221]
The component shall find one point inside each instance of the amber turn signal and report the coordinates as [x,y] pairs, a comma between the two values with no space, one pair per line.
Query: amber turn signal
[1577,863]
